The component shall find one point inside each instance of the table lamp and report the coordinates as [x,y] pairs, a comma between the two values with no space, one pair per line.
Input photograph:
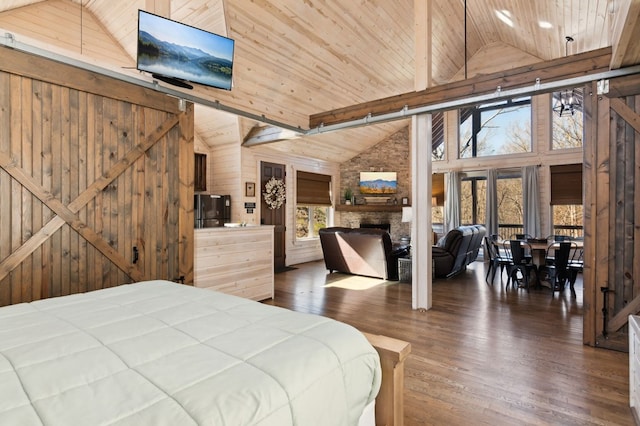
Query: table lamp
[407,216]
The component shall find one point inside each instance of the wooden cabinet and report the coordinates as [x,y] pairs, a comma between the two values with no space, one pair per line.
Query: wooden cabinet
[235,260]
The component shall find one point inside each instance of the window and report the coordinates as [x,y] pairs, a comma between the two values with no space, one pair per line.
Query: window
[495,129]
[313,200]
[566,199]
[437,197]
[309,220]
[568,129]
[568,220]
[473,201]
[510,200]
[437,134]
[473,196]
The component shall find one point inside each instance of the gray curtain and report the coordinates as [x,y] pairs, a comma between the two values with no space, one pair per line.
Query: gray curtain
[452,201]
[492,202]
[531,198]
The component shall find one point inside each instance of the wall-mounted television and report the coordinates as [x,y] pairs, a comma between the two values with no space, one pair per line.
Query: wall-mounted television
[378,182]
[178,53]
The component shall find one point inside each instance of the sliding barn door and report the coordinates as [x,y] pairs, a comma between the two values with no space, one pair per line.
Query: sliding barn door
[93,186]
[612,212]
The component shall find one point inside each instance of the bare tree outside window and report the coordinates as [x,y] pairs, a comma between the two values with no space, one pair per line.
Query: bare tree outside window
[496,129]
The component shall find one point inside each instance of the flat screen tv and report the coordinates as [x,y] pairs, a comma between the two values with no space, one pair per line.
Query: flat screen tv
[378,182]
[178,53]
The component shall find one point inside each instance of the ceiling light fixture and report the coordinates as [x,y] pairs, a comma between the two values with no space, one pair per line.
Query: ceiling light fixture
[566,102]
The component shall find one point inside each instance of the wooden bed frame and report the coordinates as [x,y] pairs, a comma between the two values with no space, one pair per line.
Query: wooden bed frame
[389,403]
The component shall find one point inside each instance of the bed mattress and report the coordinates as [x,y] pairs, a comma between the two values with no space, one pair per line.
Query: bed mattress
[160,353]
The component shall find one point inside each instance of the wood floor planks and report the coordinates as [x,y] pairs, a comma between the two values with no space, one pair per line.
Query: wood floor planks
[483,355]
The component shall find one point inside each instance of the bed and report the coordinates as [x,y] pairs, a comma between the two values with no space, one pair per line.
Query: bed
[162,353]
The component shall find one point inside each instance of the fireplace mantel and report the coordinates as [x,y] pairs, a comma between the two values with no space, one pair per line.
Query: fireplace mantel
[369,208]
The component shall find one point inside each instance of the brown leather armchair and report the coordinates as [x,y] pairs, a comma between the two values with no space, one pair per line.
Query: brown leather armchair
[360,251]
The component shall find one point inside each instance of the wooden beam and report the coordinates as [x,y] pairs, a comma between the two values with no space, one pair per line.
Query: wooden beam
[625,34]
[266,134]
[580,65]
[623,86]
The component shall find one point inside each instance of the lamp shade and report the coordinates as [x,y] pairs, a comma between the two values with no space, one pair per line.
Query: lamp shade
[407,214]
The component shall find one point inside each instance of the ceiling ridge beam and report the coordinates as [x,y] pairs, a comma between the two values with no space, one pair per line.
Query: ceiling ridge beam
[564,68]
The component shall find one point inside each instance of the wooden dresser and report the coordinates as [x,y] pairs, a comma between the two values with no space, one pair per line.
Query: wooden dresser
[235,260]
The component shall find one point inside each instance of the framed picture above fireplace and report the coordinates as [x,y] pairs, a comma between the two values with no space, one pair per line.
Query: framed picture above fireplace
[378,183]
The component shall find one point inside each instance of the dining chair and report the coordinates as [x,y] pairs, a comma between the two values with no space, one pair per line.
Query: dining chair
[549,258]
[496,259]
[556,268]
[575,266]
[522,263]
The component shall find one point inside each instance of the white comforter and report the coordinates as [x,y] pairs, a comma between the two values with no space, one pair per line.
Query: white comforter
[159,353]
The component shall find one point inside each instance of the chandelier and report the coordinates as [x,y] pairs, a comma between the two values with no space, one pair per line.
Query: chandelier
[566,103]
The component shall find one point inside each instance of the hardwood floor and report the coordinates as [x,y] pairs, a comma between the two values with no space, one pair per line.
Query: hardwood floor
[483,355]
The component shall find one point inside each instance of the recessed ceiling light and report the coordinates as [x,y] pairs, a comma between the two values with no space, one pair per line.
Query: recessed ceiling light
[504,16]
[545,24]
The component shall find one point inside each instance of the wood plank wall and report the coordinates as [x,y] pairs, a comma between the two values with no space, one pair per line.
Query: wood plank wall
[612,222]
[85,177]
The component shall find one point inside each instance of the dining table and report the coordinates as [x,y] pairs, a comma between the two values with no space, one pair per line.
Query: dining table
[539,247]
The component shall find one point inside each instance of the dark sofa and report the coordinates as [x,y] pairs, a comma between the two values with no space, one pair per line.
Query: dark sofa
[458,248]
[360,251]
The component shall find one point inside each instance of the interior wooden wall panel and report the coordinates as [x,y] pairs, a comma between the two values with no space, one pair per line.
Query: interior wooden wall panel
[117,183]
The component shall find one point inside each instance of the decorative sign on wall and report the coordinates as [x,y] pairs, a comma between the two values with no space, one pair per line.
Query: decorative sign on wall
[250,189]
[249,207]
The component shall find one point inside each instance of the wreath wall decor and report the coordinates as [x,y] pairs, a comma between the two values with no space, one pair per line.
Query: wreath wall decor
[274,193]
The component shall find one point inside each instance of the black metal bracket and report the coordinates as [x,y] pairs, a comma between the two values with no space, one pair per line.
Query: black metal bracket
[605,310]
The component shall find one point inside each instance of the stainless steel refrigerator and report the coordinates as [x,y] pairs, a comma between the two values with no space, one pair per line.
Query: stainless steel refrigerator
[211,210]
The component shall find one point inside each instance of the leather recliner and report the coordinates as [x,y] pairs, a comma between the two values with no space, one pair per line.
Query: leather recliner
[360,251]
[457,249]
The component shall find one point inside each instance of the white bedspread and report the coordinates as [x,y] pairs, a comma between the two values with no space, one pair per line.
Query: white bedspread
[159,353]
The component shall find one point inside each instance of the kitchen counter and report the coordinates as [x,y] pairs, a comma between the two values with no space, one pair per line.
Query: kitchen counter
[235,260]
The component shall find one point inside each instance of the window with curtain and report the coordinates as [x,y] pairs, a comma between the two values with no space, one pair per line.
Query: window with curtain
[566,200]
[313,200]
[473,198]
[495,129]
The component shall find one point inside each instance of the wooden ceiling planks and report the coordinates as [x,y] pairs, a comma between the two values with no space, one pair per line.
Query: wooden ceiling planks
[295,59]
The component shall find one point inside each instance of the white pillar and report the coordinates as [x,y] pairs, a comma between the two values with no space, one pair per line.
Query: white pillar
[421,229]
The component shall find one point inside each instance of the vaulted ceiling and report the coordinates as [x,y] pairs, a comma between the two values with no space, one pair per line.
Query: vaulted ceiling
[296,58]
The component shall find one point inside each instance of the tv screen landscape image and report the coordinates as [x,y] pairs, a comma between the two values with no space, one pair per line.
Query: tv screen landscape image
[171,49]
[378,182]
